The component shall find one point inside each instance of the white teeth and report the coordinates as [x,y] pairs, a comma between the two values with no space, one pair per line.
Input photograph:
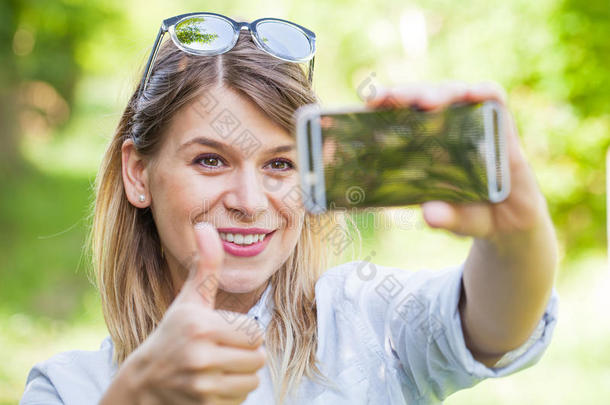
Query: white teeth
[242,239]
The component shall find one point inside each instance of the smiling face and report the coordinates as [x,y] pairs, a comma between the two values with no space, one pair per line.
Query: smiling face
[237,181]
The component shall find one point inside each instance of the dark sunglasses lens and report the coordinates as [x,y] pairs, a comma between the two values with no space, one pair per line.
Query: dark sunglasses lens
[205,33]
[284,40]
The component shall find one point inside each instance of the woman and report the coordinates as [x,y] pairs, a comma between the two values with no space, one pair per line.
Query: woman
[214,281]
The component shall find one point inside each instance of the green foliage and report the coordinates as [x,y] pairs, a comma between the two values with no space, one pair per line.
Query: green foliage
[44,221]
[191,31]
[58,30]
[583,29]
[552,57]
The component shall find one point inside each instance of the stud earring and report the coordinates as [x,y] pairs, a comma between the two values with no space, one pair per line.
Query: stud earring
[142,198]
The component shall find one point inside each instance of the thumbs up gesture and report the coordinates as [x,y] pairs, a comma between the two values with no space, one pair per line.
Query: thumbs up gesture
[202,282]
[194,356]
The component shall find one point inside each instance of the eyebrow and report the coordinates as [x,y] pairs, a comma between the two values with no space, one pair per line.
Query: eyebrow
[202,140]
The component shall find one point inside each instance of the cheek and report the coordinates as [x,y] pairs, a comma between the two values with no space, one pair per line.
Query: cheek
[169,196]
[182,192]
[179,197]
[287,200]
[289,207]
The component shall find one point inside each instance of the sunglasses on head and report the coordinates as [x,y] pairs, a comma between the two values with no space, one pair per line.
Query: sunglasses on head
[214,34]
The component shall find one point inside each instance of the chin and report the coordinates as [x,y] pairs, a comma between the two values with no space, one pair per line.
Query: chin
[241,281]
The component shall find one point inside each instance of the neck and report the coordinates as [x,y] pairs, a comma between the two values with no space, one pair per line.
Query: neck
[239,302]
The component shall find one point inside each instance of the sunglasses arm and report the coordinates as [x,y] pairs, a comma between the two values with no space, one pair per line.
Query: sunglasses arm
[151,59]
[311,63]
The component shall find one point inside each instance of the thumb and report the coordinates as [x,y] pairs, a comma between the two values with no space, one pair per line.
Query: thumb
[472,219]
[201,284]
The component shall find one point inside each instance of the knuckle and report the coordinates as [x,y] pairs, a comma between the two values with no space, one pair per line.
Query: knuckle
[196,386]
[196,323]
[201,357]
[206,384]
[194,328]
[189,383]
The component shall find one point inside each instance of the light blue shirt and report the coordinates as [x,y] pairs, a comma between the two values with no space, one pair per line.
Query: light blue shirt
[385,336]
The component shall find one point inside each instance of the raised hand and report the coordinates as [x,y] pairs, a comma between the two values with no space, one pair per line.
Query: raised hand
[194,356]
[509,272]
[522,210]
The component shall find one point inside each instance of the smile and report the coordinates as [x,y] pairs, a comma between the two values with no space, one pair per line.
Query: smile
[245,242]
[240,239]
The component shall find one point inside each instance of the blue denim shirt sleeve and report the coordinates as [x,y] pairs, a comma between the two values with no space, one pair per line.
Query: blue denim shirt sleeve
[72,377]
[451,364]
[40,389]
[415,321]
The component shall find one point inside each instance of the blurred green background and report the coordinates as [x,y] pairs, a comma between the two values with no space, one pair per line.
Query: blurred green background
[67,68]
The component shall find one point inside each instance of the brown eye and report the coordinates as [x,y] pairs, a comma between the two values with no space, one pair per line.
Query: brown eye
[281,164]
[210,161]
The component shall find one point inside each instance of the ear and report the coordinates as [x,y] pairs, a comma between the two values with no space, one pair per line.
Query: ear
[135,175]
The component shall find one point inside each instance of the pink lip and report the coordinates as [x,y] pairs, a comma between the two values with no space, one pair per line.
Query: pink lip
[249,250]
[245,231]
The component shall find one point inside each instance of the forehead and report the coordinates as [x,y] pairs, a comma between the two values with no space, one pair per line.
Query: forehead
[225,116]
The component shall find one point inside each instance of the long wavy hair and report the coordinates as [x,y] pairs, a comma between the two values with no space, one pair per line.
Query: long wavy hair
[129,268]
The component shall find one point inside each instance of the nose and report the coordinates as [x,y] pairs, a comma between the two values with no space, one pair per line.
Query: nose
[247,197]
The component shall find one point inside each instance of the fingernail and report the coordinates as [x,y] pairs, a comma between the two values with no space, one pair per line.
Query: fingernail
[438,212]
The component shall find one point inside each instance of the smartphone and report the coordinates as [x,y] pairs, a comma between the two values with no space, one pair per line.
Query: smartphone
[359,157]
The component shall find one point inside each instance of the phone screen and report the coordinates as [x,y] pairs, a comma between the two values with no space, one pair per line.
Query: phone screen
[396,157]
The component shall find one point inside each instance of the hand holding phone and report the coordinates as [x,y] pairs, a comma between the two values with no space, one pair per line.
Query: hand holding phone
[361,157]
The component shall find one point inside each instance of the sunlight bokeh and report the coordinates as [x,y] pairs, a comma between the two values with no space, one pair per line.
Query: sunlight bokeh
[69,67]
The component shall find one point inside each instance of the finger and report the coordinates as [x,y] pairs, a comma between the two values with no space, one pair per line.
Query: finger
[225,359]
[443,94]
[236,330]
[227,386]
[240,398]
[474,219]
[178,396]
[516,155]
[403,95]
[421,95]
[521,175]
[201,284]
[224,386]
[486,91]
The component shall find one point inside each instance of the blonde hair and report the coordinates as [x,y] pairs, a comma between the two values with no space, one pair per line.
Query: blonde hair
[130,272]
